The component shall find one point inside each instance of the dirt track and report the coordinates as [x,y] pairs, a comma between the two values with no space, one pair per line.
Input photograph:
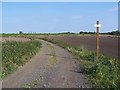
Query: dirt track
[52,67]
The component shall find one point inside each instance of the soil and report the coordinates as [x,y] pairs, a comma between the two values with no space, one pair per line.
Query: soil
[20,39]
[108,45]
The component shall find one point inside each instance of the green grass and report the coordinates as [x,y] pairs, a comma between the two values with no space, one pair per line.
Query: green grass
[103,73]
[15,54]
[52,58]
[47,34]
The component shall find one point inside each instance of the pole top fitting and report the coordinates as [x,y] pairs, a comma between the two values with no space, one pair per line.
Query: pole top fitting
[97,22]
[97,25]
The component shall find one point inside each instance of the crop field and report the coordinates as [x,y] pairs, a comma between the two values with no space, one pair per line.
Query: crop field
[16,52]
[20,39]
[108,45]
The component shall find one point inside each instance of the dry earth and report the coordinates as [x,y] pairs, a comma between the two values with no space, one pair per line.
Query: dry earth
[108,45]
[21,39]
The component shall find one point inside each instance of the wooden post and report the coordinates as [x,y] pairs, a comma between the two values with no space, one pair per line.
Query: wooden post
[97,41]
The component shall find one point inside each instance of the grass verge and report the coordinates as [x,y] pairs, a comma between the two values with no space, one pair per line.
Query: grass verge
[103,73]
[15,54]
[52,57]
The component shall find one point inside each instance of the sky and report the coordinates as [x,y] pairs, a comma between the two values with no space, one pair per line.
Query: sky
[57,17]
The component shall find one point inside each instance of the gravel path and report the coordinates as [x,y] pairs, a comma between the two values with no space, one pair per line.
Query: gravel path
[51,67]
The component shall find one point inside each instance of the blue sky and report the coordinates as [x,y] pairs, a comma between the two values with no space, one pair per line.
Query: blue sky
[53,17]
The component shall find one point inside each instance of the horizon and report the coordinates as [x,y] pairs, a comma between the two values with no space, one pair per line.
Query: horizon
[58,32]
[58,17]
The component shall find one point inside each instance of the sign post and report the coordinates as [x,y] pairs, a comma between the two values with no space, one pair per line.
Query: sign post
[97,39]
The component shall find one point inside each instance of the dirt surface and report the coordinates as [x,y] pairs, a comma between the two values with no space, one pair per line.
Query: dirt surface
[21,39]
[108,45]
[52,67]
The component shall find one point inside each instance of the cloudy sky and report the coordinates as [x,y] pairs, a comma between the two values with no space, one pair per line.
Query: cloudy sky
[53,17]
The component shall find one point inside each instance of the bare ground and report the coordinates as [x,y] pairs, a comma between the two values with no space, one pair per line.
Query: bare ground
[52,67]
[108,45]
[20,39]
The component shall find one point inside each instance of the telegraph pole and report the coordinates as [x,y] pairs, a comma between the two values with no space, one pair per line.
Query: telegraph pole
[97,25]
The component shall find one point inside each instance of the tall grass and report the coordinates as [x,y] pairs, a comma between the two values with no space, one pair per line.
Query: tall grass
[15,54]
[103,73]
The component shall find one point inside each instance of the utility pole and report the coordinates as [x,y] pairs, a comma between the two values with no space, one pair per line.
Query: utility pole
[97,25]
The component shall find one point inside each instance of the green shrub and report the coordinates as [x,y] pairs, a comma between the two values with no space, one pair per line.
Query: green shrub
[104,73]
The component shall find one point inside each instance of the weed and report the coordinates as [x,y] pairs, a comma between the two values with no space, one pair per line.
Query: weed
[52,58]
[15,54]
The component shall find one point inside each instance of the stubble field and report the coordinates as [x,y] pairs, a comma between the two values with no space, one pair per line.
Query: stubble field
[108,45]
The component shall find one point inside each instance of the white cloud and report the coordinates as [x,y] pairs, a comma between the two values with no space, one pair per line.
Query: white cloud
[76,17]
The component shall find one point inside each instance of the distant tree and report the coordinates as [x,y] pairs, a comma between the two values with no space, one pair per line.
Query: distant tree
[66,33]
[3,33]
[20,32]
[114,33]
[81,32]
[86,32]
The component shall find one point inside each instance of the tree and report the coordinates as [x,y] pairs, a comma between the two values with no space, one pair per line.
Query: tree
[20,32]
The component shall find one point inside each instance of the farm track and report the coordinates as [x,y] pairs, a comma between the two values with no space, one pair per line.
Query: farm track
[51,67]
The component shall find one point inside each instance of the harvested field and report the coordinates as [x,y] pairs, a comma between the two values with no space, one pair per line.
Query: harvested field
[108,45]
[21,39]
